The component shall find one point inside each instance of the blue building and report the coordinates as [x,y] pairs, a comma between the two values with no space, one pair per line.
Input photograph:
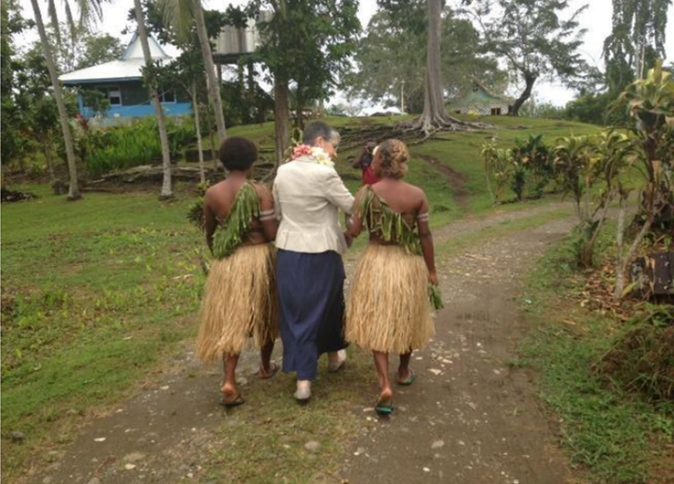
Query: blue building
[122,82]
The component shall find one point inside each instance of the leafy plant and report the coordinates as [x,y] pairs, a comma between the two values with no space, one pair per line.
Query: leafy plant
[496,166]
[649,103]
[537,170]
[121,147]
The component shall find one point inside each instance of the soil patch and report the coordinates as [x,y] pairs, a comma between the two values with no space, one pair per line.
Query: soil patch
[9,196]
[456,180]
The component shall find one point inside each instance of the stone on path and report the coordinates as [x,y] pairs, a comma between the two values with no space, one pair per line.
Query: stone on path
[312,446]
[134,457]
[438,444]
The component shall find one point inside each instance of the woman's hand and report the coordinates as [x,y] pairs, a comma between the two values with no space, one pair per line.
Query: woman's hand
[433,278]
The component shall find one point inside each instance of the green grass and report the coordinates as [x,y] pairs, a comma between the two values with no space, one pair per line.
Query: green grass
[616,438]
[97,292]
[92,298]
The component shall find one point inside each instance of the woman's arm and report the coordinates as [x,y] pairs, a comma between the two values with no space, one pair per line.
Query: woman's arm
[210,222]
[355,224]
[267,213]
[427,248]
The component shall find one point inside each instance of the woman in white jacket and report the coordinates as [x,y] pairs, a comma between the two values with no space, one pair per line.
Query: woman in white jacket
[308,195]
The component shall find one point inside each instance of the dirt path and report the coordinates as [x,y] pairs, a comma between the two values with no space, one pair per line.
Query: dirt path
[469,418]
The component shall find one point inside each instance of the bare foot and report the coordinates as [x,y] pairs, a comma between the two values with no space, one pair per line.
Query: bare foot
[231,396]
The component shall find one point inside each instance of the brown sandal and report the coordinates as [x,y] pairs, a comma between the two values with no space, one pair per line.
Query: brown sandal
[232,402]
[273,369]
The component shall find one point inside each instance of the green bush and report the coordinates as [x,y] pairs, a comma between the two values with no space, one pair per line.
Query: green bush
[121,147]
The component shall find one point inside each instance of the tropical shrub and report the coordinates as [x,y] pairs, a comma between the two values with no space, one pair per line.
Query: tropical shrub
[537,171]
[497,164]
[649,103]
[120,147]
[526,169]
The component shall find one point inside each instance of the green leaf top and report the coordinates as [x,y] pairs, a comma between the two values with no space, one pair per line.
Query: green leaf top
[231,231]
[379,218]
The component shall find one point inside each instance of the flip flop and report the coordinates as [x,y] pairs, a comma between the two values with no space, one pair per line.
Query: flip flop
[238,400]
[273,369]
[409,380]
[384,408]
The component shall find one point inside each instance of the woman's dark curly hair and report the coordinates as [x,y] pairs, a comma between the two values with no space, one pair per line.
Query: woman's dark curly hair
[237,153]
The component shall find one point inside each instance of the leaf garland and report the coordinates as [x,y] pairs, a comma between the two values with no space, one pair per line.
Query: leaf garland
[230,232]
[379,217]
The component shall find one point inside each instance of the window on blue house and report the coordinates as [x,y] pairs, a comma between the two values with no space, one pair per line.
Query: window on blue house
[113,93]
[168,97]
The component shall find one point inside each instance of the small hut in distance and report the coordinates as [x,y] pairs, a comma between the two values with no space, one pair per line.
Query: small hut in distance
[480,100]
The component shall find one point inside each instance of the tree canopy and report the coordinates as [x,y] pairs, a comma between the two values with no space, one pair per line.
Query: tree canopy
[390,64]
[539,39]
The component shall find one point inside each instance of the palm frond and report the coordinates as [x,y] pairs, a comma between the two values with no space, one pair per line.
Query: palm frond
[179,15]
[71,22]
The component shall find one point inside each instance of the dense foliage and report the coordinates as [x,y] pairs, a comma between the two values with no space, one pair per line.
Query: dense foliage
[390,64]
[126,146]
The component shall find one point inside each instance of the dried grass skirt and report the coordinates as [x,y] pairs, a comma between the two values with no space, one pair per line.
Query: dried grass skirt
[388,308]
[240,302]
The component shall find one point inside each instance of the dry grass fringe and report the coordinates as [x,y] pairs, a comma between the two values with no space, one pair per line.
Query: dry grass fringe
[388,308]
[240,301]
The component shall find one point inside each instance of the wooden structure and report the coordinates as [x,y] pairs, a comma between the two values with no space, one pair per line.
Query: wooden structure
[481,101]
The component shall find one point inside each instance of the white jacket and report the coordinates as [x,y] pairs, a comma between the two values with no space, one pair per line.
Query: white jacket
[307,197]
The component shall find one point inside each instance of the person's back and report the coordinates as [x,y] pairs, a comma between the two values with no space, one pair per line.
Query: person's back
[308,197]
[310,273]
[219,201]
[389,309]
[404,198]
[240,295]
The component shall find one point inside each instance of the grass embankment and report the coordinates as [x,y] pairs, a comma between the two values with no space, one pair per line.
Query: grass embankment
[96,292]
[616,437]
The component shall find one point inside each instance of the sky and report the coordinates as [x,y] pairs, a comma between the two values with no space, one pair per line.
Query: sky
[596,19]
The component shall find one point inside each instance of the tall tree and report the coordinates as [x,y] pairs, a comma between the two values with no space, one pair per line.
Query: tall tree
[181,15]
[389,67]
[637,38]
[166,188]
[74,190]
[538,38]
[306,44]
[434,114]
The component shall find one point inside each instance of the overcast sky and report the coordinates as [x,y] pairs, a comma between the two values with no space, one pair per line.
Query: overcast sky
[596,19]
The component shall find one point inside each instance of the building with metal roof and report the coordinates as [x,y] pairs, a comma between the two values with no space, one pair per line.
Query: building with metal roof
[121,81]
[481,101]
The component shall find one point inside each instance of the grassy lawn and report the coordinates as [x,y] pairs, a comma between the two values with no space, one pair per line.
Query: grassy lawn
[96,293]
[616,438]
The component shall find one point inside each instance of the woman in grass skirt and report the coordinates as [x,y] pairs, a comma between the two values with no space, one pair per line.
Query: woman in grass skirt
[240,299]
[388,309]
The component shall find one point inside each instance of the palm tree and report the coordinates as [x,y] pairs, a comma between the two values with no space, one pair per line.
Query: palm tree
[181,15]
[166,190]
[74,190]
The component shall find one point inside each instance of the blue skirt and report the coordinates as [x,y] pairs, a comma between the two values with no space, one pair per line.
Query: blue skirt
[311,303]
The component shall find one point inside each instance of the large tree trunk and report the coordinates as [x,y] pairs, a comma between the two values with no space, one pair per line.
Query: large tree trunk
[435,115]
[213,84]
[529,79]
[74,190]
[195,107]
[282,117]
[166,189]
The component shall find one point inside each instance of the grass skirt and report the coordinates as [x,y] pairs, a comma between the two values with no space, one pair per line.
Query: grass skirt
[388,308]
[240,301]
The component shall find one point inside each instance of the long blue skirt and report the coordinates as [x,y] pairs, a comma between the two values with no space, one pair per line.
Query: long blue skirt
[311,302]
